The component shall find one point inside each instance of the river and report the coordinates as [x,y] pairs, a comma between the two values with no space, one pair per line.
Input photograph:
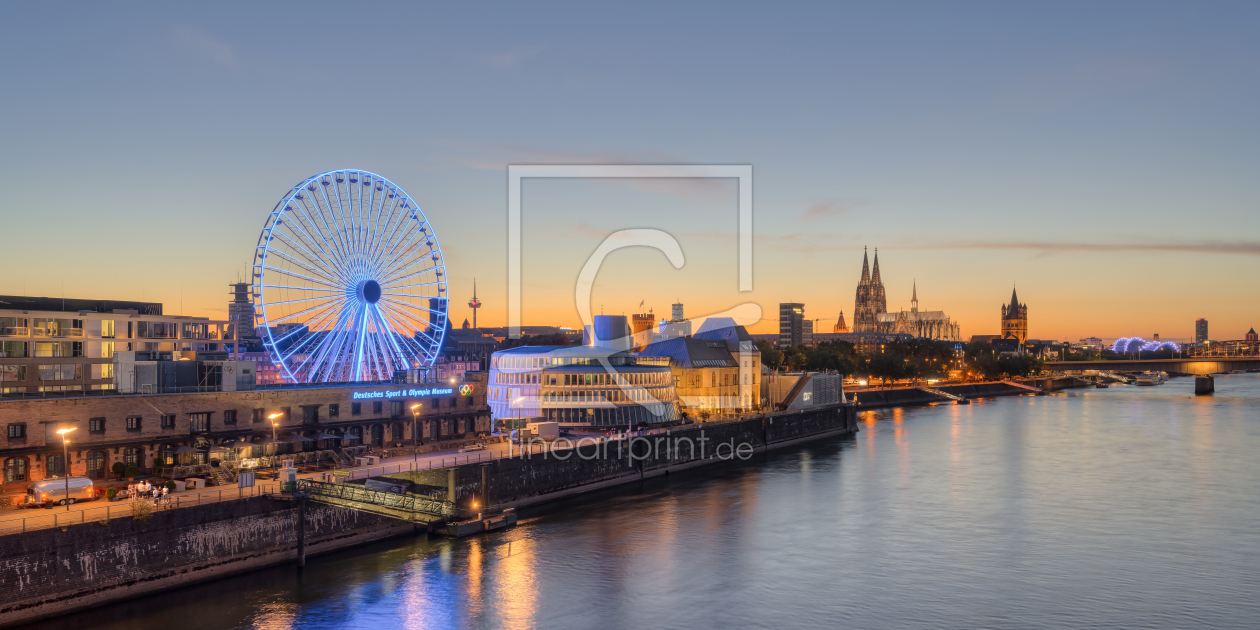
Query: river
[1128,507]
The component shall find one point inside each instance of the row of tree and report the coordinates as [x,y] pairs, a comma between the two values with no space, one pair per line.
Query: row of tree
[915,359]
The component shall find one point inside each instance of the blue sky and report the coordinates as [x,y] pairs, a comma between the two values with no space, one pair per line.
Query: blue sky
[1103,156]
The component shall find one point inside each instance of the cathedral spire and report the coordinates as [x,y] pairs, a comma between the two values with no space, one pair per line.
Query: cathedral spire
[914,297]
[1014,299]
[875,274]
[866,268]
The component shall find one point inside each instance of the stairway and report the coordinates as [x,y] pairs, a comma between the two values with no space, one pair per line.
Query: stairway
[942,394]
[222,477]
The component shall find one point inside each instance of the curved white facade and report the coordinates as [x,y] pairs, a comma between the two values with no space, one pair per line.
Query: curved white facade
[581,386]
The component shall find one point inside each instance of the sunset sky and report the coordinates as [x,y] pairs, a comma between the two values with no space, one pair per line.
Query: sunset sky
[1103,158]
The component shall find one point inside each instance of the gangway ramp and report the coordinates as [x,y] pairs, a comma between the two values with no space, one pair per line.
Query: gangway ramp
[407,507]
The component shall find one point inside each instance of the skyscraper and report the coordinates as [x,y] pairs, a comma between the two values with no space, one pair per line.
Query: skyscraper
[1200,330]
[870,300]
[792,324]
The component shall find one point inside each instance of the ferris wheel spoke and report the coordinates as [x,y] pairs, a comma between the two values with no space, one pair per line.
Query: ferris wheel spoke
[326,282]
[414,347]
[415,317]
[339,237]
[397,218]
[390,281]
[379,226]
[330,258]
[299,313]
[346,224]
[327,235]
[400,253]
[318,355]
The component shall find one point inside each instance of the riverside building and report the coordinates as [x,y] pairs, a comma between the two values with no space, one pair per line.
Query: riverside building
[148,430]
[63,345]
[581,386]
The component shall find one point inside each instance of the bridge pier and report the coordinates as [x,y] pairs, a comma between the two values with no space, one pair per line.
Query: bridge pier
[1204,385]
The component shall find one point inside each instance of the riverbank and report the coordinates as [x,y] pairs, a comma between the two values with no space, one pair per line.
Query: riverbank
[55,571]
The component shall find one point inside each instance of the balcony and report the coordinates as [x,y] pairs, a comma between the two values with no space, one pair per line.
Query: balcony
[58,332]
[15,331]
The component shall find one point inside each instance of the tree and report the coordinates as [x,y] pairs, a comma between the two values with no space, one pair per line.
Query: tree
[771,357]
[119,468]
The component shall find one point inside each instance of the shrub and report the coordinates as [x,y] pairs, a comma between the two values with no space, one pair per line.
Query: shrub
[141,510]
[119,468]
[111,493]
[132,471]
[170,485]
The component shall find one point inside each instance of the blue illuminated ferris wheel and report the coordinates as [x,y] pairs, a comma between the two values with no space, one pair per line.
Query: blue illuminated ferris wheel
[348,281]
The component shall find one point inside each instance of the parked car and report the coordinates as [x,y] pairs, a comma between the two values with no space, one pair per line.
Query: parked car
[52,491]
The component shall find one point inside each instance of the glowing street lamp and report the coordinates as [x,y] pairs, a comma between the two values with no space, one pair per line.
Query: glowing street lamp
[415,432]
[275,449]
[65,454]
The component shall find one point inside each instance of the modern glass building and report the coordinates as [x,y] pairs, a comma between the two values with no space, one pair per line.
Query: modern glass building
[581,386]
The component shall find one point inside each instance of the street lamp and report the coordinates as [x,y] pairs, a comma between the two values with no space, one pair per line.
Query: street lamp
[415,432]
[65,454]
[275,448]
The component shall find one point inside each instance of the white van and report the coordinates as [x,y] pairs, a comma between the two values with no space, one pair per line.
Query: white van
[49,492]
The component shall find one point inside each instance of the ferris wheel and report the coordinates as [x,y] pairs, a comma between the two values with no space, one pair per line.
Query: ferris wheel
[349,282]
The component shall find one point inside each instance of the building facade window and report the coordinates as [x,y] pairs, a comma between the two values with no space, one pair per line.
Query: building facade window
[96,425]
[17,431]
[258,416]
[16,469]
[376,407]
[133,423]
[198,422]
[168,421]
[229,417]
[334,410]
[395,408]
[132,456]
[96,465]
[56,465]
[356,409]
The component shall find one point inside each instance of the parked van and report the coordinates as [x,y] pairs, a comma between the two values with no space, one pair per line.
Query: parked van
[49,492]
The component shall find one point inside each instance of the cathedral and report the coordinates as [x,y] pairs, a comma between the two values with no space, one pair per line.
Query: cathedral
[1015,319]
[871,315]
[870,301]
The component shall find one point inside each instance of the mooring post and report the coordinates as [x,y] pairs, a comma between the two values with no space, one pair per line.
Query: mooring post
[450,485]
[485,491]
[301,530]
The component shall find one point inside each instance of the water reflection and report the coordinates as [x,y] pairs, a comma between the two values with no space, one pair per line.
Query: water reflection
[1116,508]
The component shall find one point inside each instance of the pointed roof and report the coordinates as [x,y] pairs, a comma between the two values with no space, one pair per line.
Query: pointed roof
[1014,299]
[1251,332]
[866,269]
[840,322]
[875,273]
[914,292]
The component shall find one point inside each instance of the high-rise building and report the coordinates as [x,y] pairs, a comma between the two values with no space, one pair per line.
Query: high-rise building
[241,313]
[678,325]
[870,300]
[792,324]
[608,331]
[676,312]
[1200,330]
[1015,319]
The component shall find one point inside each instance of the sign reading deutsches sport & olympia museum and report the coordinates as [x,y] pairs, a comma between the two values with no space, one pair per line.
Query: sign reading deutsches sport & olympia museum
[397,393]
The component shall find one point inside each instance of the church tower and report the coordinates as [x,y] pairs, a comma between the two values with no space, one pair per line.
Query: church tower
[1015,319]
[870,300]
[840,326]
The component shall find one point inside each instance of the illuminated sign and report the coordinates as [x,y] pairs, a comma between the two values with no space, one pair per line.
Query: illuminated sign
[398,393]
[465,390]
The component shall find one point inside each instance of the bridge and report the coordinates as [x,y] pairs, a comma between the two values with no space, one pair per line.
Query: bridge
[407,507]
[1189,365]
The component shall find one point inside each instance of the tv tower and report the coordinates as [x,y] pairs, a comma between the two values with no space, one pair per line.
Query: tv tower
[474,304]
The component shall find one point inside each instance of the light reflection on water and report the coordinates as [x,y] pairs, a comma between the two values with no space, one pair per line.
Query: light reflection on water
[1117,508]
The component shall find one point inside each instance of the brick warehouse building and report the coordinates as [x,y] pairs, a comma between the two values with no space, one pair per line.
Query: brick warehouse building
[137,428]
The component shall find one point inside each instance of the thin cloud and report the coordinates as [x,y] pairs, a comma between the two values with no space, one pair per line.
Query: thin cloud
[201,44]
[828,209]
[1243,248]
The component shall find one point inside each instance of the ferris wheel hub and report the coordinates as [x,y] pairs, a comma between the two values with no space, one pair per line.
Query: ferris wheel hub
[369,291]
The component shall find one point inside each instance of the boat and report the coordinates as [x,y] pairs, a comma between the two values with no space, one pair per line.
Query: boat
[1101,386]
[1151,378]
[1238,371]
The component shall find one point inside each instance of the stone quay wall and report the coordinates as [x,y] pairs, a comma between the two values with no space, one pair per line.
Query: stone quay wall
[539,477]
[50,572]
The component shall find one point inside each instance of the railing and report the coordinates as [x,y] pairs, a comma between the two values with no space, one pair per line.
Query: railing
[360,494]
[15,331]
[123,509]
